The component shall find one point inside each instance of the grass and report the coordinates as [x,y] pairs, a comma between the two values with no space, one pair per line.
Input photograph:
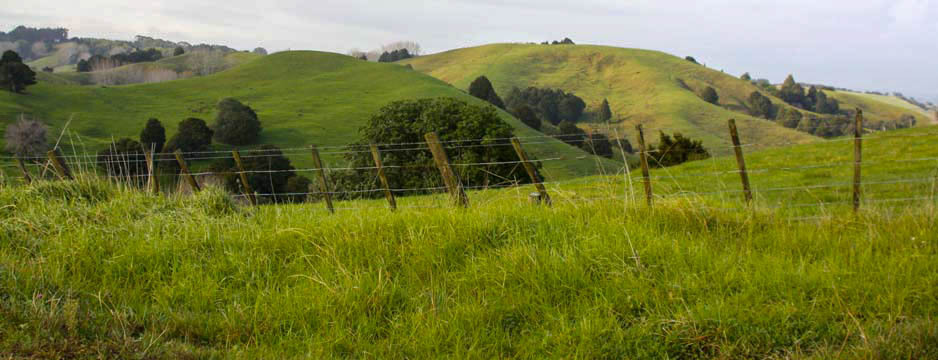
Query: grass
[301,97]
[89,269]
[879,107]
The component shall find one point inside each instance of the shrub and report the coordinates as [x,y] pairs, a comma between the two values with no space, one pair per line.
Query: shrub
[236,123]
[710,95]
[178,51]
[676,150]
[605,113]
[552,105]
[269,172]
[760,105]
[527,116]
[153,135]
[192,135]
[482,88]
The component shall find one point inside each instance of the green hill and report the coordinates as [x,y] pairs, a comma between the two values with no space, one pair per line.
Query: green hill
[301,97]
[882,107]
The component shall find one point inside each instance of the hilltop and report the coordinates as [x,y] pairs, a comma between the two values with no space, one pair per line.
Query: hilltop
[301,97]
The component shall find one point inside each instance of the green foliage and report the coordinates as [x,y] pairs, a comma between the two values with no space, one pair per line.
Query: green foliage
[691,59]
[269,173]
[676,150]
[14,75]
[137,56]
[124,160]
[792,93]
[605,113]
[746,77]
[178,51]
[260,51]
[406,122]
[236,123]
[761,106]
[482,88]
[192,135]
[710,95]
[825,105]
[789,117]
[553,105]
[153,135]
[396,55]
[527,116]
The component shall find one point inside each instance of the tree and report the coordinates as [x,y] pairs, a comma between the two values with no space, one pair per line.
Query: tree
[605,113]
[268,172]
[15,76]
[792,93]
[571,108]
[567,41]
[395,55]
[26,138]
[260,51]
[153,135]
[825,105]
[192,135]
[236,123]
[710,95]
[481,133]
[527,116]
[124,160]
[760,105]
[789,117]
[552,105]
[811,99]
[675,150]
[482,88]
[691,59]
[746,77]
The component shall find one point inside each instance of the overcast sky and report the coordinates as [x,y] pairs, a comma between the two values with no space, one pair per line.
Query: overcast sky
[862,44]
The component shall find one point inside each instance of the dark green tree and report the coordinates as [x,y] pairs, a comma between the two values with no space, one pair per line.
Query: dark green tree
[153,135]
[527,116]
[552,105]
[825,105]
[178,51]
[15,76]
[481,133]
[746,77]
[760,105]
[792,92]
[811,98]
[192,135]
[605,113]
[676,150]
[710,95]
[691,59]
[482,88]
[269,172]
[571,108]
[236,123]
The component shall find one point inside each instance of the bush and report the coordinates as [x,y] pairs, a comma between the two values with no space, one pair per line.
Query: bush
[760,105]
[236,123]
[124,160]
[527,116]
[552,105]
[482,88]
[269,172]
[605,113]
[192,135]
[178,51]
[710,95]
[676,150]
[153,135]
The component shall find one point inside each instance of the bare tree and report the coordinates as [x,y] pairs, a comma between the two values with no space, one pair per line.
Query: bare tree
[26,138]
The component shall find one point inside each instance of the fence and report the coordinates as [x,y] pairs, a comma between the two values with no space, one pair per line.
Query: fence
[689,184]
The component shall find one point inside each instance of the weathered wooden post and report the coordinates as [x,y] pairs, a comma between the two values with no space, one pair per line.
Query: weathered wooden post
[22,166]
[60,167]
[531,170]
[184,171]
[643,155]
[376,155]
[857,159]
[244,178]
[449,177]
[324,186]
[152,182]
[743,175]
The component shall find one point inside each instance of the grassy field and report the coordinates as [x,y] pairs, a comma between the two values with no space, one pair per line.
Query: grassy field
[89,269]
[882,106]
[301,97]
[179,64]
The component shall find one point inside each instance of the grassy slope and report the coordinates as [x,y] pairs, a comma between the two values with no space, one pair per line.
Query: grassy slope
[882,107]
[178,64]
[301,98]
[641,86]
[93,270]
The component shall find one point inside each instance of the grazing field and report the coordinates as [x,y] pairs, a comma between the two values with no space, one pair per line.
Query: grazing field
[91,269]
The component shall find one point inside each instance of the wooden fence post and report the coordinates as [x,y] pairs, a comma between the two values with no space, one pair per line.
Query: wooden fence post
[743,175]
[244,178]
[323,178]
[449,177]
[152,181]
[858,159]
[531,170]
[376,155]
[22,166]
[60,167]
[184,169]
[643,155]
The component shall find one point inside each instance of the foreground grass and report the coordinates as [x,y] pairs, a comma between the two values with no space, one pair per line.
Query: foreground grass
[88,270]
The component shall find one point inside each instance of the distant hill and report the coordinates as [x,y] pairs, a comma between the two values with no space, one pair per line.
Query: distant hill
[301,97]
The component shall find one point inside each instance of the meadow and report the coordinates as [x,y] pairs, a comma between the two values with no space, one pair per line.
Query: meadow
[89,268]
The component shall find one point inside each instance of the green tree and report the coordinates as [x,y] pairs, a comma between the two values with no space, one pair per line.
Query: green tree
[605,113]
[269,172]
[691,59]
[746,77]
[760,105]
[789,117]
[124,160]
[178,51]
[710,95]
[15,76]
[153,135]
[192,135]
[481,133]
[825,105]
[236,123]
[792,92]
[676,150]
[527,116]
[482,88]
[811,98]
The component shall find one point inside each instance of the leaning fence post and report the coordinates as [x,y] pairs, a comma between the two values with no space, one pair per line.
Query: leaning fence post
[643,155]
[184,169]
[858,158]
[323,178]
[244,178]
[743,175]
[22,167]
[152,182]
[59,166]
[531,170]
[376,155]
[449,177]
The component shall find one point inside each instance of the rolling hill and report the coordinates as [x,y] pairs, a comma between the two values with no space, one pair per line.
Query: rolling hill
[882,106]
[301,97]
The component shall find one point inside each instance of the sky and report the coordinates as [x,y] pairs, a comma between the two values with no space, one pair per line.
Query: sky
[885,45]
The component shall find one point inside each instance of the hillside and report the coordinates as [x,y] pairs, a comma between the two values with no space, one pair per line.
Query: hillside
[642,86]
[165,69]
[878,107]
[301,97]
